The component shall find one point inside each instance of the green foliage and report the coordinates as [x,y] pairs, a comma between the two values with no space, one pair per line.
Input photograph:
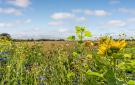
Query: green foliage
[87,34]
[131,82]
[71,37]
[90,73]
[81,33]
[5,36]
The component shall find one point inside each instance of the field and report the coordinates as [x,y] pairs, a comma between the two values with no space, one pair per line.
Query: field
[102,62]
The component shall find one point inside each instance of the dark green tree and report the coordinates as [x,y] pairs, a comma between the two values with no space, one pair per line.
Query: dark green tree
[5,35]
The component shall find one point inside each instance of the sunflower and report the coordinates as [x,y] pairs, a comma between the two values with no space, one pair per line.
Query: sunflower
[119,44]
[109,47]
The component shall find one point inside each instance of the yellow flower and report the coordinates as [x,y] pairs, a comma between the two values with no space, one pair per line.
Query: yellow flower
[89,43]
[123,43]
[118,44]
[89,57]
[109,47]
[102,49]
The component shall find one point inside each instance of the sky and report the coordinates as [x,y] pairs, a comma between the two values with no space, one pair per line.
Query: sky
[58,18]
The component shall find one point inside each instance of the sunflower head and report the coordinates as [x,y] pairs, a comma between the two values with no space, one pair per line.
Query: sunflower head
[110,47]
[119,44]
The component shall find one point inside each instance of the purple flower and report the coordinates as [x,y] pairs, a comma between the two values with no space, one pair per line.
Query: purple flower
[41,84]
[3,59]
[42,78]
[3,53]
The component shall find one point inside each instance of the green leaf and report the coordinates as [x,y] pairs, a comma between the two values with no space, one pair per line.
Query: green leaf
[79,29]
[121,66]
[80,42]
[87,33]
[70,75]
[110,77]
[127,55]
[80,37]
[90,73]
[131,82]
[71,38]
[75,54]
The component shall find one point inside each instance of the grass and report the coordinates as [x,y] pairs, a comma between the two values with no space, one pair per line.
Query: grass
[55,63]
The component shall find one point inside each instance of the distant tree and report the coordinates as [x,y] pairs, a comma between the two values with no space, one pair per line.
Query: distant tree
[60,40]
[5,35]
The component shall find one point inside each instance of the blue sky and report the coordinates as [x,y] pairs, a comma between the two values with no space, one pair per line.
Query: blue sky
[57,18]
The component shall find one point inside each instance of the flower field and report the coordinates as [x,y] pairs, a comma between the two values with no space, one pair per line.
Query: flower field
[73,62]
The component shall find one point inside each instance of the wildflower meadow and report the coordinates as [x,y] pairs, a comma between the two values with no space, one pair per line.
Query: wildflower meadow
[76,61]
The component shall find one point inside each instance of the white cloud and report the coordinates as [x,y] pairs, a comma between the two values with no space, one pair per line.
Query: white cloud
[119,23]
[6,25]
[34,31]
[131,20]
[116,23]
[81,19]
[20,3]
[101,13]
[63,30]
[114,1]
[14,24]
[62,15]
[127,10]
[85,11]
[91,12]
[10,11]
[88,12]
[28,21]
[77,10]
[77,15]
[55,23]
